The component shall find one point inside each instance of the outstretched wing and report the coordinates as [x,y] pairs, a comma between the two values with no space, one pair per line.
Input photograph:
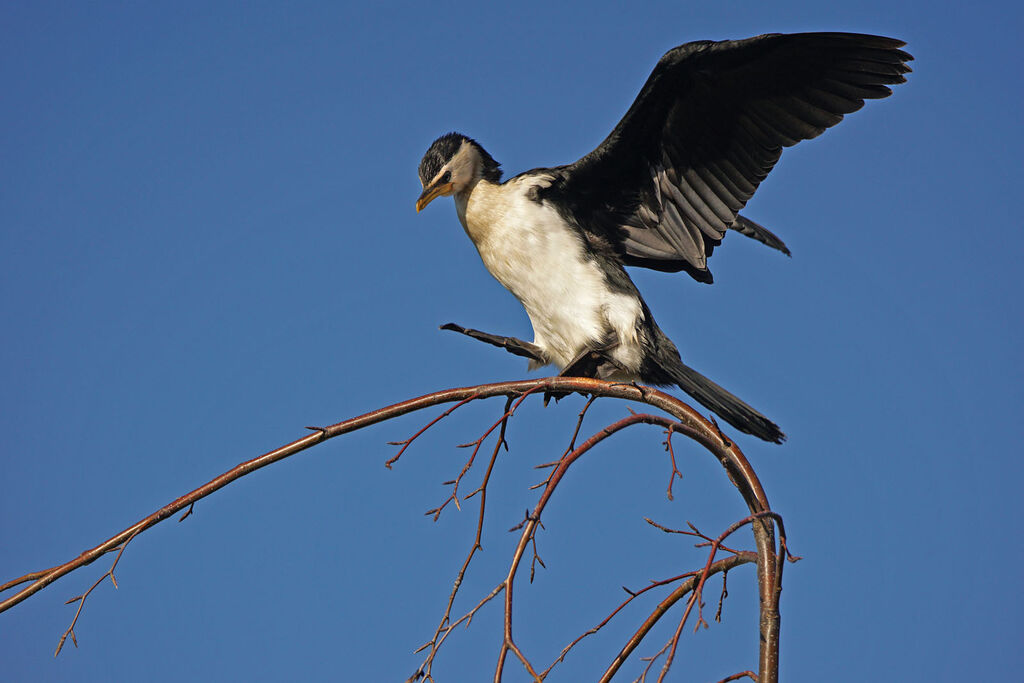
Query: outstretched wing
[705,130]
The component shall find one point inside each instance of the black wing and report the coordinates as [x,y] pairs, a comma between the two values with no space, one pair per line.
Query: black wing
[706,129]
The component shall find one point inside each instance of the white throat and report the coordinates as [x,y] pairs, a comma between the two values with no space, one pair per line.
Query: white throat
[527,246]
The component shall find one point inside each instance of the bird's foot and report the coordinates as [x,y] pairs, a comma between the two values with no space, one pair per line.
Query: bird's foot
[639,387]
[721,434]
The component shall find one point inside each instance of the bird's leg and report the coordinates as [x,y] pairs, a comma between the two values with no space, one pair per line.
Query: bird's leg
[587,363]
[510,344]
[590,362]
[584,365]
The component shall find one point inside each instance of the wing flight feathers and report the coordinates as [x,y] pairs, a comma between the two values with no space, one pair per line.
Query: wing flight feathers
[707,127]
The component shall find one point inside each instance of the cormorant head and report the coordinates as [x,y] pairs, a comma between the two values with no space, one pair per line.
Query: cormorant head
[454,163]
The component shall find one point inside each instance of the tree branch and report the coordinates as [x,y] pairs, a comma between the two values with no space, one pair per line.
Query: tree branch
[686,421]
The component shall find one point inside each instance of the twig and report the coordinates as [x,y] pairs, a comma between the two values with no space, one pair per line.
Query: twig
[425,668]
[743,674]
[722,596]
[435,642]
[698,591]
[651,660]
[675,469]
[694,531]
[80,599]
[743,557]
[681,590]
[453,497]
[408,442]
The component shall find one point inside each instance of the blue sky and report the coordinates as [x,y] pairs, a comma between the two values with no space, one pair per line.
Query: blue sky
[208,241]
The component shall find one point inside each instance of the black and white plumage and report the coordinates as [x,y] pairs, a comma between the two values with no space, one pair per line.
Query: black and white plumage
[660,192]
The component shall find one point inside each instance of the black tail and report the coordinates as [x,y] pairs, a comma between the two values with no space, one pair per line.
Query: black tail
[722,403]
[756,231]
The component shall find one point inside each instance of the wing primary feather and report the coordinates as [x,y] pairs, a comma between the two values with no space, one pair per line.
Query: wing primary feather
[773,130]
[741,153]
[794,127]
[855,91]
[711,197]
[868,78]
[690,207]
[831,101]
[711,174]
[675,227]
[682,191]
[814,113]
[734,178]
[885,68]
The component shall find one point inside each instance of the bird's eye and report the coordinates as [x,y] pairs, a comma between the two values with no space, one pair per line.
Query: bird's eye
[446,177]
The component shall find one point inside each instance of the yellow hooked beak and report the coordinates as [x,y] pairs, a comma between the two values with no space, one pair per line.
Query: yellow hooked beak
[431,193]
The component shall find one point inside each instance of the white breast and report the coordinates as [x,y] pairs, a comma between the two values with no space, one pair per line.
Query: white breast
[527,247]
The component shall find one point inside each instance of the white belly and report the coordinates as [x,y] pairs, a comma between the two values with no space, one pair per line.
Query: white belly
[526,247]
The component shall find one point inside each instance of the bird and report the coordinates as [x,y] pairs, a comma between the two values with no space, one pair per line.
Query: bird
[660,192]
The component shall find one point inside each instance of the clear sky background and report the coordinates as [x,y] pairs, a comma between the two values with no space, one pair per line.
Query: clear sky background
[208,241]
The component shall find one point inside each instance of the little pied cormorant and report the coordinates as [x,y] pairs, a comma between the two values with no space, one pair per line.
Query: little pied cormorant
[659,192]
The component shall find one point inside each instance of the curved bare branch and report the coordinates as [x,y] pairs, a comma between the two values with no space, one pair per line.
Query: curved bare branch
[687,421]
